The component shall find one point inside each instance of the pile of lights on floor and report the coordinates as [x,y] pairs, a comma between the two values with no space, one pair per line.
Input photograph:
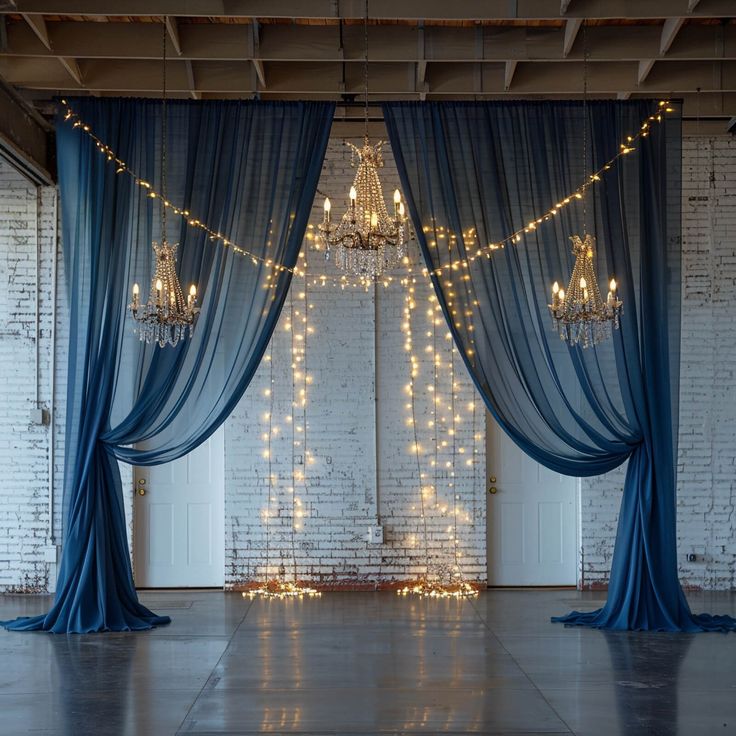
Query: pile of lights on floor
[436,589]
[278,588]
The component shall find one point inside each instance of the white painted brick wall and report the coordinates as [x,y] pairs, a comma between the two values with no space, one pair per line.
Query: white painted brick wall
[340,493]
[339,497]
[707,454]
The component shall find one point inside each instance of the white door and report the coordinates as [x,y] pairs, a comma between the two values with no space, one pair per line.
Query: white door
[531,529]
[179,520]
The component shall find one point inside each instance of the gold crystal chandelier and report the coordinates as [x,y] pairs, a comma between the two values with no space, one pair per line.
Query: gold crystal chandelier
[367,241]
[579,314]
[166,318]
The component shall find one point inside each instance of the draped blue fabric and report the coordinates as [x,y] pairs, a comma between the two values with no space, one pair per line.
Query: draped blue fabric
[472,174]
[247,169]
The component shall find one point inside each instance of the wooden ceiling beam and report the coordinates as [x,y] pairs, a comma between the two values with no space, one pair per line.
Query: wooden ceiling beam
[383,9]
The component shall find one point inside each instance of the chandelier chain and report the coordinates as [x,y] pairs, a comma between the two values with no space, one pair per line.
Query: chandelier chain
[365,69]
[164,130]
[585,122]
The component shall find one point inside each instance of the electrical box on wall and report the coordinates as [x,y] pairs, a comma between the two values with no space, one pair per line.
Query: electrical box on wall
[39,416]
[375,535]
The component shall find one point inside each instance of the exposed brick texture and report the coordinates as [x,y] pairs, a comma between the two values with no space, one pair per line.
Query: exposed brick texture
[357,402]
[352,392]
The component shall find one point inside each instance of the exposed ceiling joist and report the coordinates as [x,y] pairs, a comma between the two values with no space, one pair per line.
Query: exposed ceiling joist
[670,29]
[72,67]
[508,76]
[384,9]
[192,81]
[38,26]
[24,137]
[645,66]
[572,27]
[257,62]
[173,29]
[299,43]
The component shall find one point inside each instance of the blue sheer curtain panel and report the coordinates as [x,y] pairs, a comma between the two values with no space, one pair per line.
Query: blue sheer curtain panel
[248,170]
[472,174]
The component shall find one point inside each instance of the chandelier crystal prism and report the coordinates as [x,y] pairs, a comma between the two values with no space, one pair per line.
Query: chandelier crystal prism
[367,241]
[579,314]
[166,317]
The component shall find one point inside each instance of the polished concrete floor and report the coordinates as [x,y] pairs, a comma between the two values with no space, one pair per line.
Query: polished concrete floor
[368,663]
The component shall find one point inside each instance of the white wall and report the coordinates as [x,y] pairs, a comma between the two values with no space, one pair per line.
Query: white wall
[340,495]
[349,397]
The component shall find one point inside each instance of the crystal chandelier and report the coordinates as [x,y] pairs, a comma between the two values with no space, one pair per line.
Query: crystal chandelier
[367,241]
[580,315]
[166,317]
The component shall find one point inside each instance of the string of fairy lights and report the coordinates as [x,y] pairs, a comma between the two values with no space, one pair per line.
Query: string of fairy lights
[627,146]
[439,512]
[443,576]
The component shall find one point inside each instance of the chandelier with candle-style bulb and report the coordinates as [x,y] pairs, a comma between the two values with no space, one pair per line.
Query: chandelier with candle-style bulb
[166,317]
[579,314]
[366,241]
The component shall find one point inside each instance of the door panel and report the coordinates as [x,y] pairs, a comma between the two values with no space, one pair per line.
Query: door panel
[179,520]
[531,518]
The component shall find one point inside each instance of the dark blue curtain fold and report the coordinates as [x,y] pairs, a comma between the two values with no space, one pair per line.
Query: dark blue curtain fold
[247,169]
[472,174]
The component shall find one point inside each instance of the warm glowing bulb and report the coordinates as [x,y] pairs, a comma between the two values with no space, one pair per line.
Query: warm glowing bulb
[136,289]
[353,194]
[562,295]
[583,283]
[374,219]
[401,209]
[159,285]
[612,285]
[328,206]
[192,290]
[555,288]
[397,196]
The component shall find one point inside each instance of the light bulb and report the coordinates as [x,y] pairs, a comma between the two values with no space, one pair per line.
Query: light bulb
[159,285]
[612,285]
[583,283]
[353,194]
[555,288]
[328,206]
[562,295]
[397,196]
[193,290]
[136,289]
[374,219]
[401,209]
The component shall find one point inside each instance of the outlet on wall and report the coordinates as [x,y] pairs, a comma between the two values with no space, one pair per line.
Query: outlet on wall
[375,535]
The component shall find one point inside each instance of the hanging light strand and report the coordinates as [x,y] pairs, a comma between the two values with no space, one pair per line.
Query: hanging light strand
[626,147]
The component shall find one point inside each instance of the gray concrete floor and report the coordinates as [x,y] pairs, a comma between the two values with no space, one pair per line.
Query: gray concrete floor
[368,663]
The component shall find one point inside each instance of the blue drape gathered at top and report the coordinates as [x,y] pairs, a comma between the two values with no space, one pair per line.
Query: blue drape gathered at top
[249,170]
[473,173]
